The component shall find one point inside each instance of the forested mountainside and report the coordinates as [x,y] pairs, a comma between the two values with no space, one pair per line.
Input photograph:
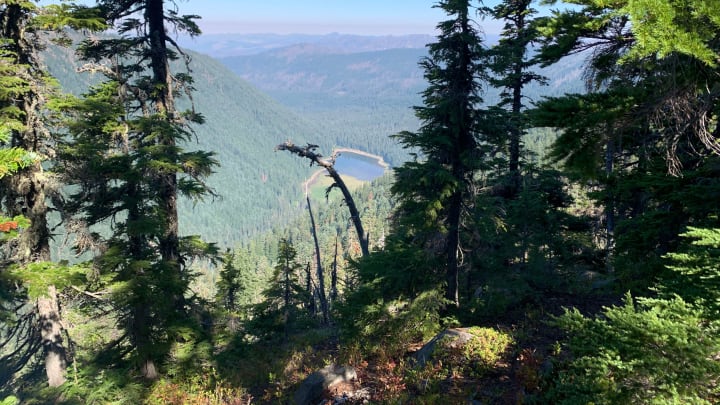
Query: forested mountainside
[538,246]
[257,188]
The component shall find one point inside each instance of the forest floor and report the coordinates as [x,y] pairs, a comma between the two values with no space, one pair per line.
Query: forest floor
[518,376]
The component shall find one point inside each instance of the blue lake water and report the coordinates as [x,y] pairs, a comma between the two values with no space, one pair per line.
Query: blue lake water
[361,167]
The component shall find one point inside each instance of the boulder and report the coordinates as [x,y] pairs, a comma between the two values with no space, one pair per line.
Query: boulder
[311,389]
[456,337]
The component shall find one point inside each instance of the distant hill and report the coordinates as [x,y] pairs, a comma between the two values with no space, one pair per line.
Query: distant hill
[347,78]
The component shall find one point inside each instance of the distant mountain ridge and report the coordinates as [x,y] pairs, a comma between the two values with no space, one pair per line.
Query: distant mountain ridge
[364,97]
[311,69]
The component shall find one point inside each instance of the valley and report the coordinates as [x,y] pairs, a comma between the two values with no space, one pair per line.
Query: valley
[529,218]
[331,90]
[257,91]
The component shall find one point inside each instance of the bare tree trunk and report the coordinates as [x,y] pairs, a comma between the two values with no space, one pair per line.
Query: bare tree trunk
[329,166]
[320,275]
[334,277]
[51,335]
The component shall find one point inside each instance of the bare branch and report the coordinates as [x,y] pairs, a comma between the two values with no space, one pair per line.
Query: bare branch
[310,153]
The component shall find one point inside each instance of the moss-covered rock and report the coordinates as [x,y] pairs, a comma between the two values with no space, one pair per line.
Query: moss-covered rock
[473,350]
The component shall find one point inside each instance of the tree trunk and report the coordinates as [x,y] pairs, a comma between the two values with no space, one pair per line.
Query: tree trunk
[309,288]
[142,340]
[354,213]
[320,275]
[51,335]
[517,87]
[609,205]
[24,193]
[286,306]
[453,244]
[334,277]
[165,106]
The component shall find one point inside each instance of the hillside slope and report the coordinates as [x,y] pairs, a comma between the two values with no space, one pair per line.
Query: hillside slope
[258,188]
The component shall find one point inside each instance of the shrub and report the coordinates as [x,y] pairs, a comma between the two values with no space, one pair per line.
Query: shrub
[204,388]
[487,347]
[659,351]
[386,328]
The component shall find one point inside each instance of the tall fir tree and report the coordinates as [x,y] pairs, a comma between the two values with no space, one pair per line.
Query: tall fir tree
[510,63]
[26,86]
[230,284]
[432,189]
[126,158]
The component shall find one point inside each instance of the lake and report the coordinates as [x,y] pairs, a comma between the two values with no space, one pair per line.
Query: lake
[363,167]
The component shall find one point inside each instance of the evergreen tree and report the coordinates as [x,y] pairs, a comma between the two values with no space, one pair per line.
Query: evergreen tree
[126,159]
[647,115]
[230,284]
[285,297]
[432,189]
[665,27]
[510,64]
[25,88]
[695,271]
[652,351]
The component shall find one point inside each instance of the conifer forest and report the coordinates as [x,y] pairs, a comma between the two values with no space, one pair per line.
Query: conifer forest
[544,227]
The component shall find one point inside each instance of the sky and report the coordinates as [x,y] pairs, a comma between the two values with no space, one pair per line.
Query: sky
[373,17]
[366,17]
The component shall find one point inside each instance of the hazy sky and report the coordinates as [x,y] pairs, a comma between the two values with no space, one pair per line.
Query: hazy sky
[374,17]
[315,16]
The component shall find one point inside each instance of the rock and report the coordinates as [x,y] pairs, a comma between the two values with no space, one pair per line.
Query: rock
[361,396]
[311,389]
[456,337]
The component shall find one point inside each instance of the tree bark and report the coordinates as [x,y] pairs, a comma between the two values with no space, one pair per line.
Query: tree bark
[309,288]
[141,339]
[517,86]
[453,244]
[165,107]
[51,334]
[286,306]
[25,192]
[609,205]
